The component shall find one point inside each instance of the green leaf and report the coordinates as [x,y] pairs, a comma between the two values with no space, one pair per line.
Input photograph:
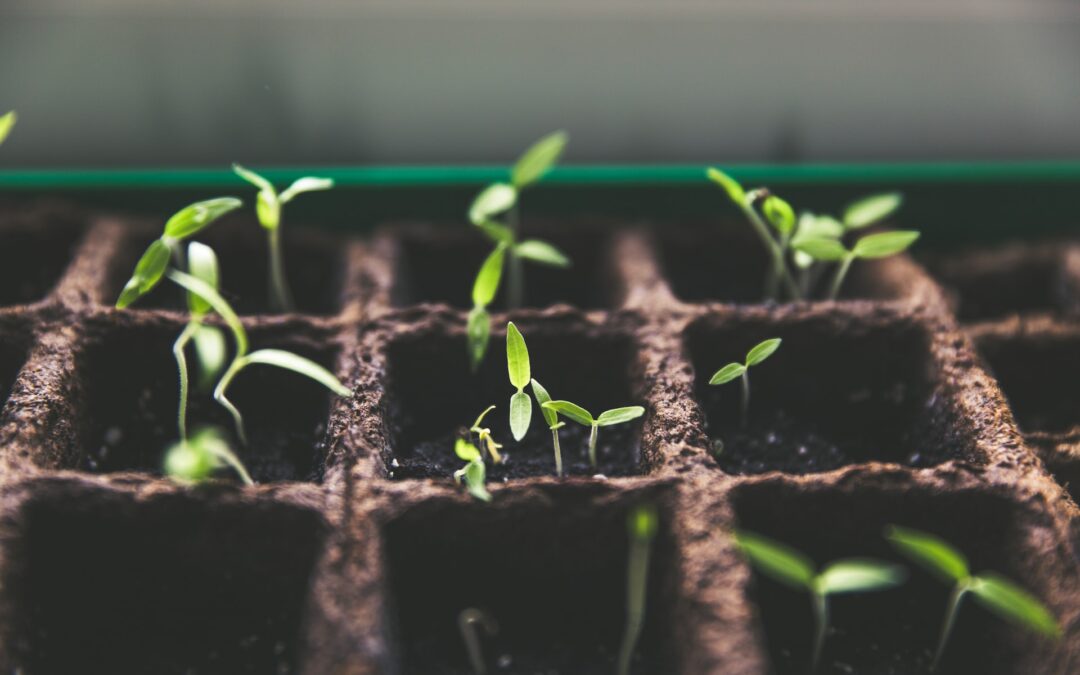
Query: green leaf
[779,213]
[189,462]
[541,252]
[734,191]
[298,364]
[478,332]
[542,397]
[859,574]
[148,272]
[208,293]
[493,200]
[776,560]
[643,522]
[475,475]
[821,248]
[268,210]
[1014,604]
[194,217]
[480,419]
[487,280]
[520,415]
[619,415]
[817,227]
[305,184]
[202,264]
[538,159]
[466,451]
[762,351]
[571,410]
[253,178]
[931,552]
[872,209]
[209,343]
[517,357]
[884,244]
[496,232]
[7,123]
[727,373]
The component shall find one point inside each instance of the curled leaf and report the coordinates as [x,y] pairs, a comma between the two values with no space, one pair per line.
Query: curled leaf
[731,186]
[779,213]
[194,217]
[466,451]
[306,184]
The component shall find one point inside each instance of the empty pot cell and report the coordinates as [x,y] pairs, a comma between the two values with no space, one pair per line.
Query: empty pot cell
[837,392]
[172,585]
[1015,278]
[130,392]
[34,255]
[552,576]
[728,263]
[440,265]
[432,397]
[314,269]
[892,631]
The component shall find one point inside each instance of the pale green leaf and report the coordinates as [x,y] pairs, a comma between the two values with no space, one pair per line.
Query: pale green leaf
[931,552]
[859,574]
[776,560]
[189,462]
[727,373]
[802,260]
[466,451]
[487,280]
[209,343]
[812,226]
[220,305]
[480,419]
[572,411]
[520,415]
[619,415]
[306,184]
[202,264]
[194,217]
[538,159]
[517,357]
[541,252]
[542,397]
[148,272]
[872,209]
[268,210]
[1014,604]
[300,365]
[762,351]
[884,244]
[7,123]
[475,476]
[821,248]
[779,213]
[493,200]
[478,332]
[496,232]
[643,522]
[734,191]
[253,178]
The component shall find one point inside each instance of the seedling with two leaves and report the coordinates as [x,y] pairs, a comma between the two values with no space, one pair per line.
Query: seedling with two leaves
[992,591]
[510,251]
[731,371]
[268,206]
[583,417]
[793,568]
[641,524]
[474,473]
[7,122]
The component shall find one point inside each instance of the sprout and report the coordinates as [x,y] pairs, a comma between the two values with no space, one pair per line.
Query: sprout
[268,209]
[584,417]
[870,247]
[552,419]
[474,473]
[491,203]
[7,122]
[468,620]
[194,459]
[483,434]
[870,210]
[517,365]
[995,593]
[793,568]
[642,525]
[759,353]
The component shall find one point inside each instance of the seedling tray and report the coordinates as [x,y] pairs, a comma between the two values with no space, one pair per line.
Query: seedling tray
[356,551]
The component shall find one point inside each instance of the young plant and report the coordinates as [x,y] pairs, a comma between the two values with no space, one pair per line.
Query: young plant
[642,525]
[468,621]
[483,435]
[759,353]
[552,419]
[517,365]
[995,593]
[870,247]
[584,417]
[795,569]
[478,325]
[194,459]
[268,206]
[7,122]
[474,473]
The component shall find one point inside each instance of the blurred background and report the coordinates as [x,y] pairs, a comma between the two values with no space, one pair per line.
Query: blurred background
[132,83]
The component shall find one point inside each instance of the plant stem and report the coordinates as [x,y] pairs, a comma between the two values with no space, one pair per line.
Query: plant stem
[841,272]
[219,395]
[776,273]
[745,411]
[637,576]
[515,285]
[181,365]
[230,458]
[773,247]
[558,452]
[592,445]
[467,622]
[821,616]
[280,297]
[951,610]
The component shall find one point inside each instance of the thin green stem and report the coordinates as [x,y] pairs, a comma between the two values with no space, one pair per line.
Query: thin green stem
[468,621]
[558,452]
[280,297]
[230,458]
[773,247]
[515,285]
[592,445]
[637,576]
[219,395]
[776,272]
[951,610]
[838,279]
[181,365]
[821,617]
[745,410]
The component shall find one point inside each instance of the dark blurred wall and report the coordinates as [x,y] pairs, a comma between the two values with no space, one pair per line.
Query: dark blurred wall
[120,82]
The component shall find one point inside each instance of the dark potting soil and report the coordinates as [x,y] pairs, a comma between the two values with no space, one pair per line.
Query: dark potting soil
[33,260]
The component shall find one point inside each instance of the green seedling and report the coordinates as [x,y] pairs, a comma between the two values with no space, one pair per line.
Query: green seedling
[642,524]
[268,207]
[242,359]
[468,621]
[795,569]
[552,419]
[483,435]
[992,591]
[7,123]
[185,223]
[870,247]
[517,365]
[584,417]
[194,459]
[489,205]
[474,473]
[759,353]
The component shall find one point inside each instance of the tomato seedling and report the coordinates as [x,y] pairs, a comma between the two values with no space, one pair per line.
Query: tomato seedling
[756,355]
[474,473]
[194,459]
[552,419]
[583,417]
